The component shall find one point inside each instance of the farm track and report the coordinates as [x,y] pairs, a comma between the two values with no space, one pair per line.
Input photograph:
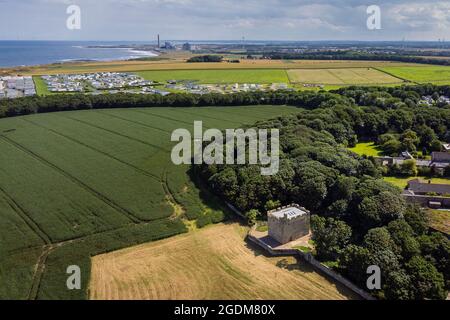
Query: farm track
[117,133]
[80,183]
[146,173]
[179,210]
[39,271]
[26,217]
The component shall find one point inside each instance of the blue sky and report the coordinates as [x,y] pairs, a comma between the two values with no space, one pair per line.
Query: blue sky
[224,19]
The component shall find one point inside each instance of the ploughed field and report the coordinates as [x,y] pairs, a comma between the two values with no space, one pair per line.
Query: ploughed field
[77,184]
[210,263]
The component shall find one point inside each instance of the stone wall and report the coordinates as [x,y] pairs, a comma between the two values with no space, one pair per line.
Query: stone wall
[425,200]
[308,257]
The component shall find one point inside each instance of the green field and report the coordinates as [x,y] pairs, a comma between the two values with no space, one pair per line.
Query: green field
[366,149]
[345,76]
[77,184]
[421,74]
[263,76]
[41,86]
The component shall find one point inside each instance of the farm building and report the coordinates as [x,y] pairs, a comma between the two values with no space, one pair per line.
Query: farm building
[289,223]
[417,187]
[443,157]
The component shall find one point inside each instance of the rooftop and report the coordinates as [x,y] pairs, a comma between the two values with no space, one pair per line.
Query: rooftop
[419,187]
[289,212]
[440,157]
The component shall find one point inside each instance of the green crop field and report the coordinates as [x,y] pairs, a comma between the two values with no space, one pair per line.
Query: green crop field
[77,184]
[346,76]
[263,76]
[421,74]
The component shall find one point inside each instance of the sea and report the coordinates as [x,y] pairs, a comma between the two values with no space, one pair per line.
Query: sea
[30,53]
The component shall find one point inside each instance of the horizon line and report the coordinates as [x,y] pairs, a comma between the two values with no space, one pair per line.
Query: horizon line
[227,40]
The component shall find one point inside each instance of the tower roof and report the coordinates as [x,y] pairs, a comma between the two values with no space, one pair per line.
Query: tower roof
[289,213]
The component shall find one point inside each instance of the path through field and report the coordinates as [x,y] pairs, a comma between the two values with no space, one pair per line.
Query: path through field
[212,263]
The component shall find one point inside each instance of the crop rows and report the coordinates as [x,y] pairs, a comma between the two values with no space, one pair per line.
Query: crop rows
[76,184]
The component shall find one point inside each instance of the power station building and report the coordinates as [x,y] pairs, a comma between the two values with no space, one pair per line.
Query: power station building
[289,223]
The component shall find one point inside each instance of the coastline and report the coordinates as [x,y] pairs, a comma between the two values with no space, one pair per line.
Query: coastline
[28,54]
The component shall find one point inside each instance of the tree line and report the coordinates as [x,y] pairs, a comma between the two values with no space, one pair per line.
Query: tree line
[206,58]
[66,102]
[358,56]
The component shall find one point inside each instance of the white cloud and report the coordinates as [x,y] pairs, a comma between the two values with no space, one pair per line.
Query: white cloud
[224,19]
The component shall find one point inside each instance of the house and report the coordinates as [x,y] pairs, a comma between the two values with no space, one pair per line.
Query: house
[288,223]
[446,147]
[427,100]
[444,99]
[417,187]
[442,157]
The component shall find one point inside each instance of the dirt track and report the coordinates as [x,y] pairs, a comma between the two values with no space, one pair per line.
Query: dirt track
[212,263]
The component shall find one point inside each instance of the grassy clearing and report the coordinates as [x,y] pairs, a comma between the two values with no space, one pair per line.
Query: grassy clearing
[402,182]
[216,262]
[81,183]
[345,76]
[421,74]
[41,86]
[366,149]
[218,76]
[439,220]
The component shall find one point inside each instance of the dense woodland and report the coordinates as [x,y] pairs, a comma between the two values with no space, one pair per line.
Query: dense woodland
[359,220]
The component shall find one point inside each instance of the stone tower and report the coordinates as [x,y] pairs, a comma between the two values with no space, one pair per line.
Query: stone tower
[289,223]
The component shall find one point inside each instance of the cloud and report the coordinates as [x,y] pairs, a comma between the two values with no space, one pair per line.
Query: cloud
[224,19]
